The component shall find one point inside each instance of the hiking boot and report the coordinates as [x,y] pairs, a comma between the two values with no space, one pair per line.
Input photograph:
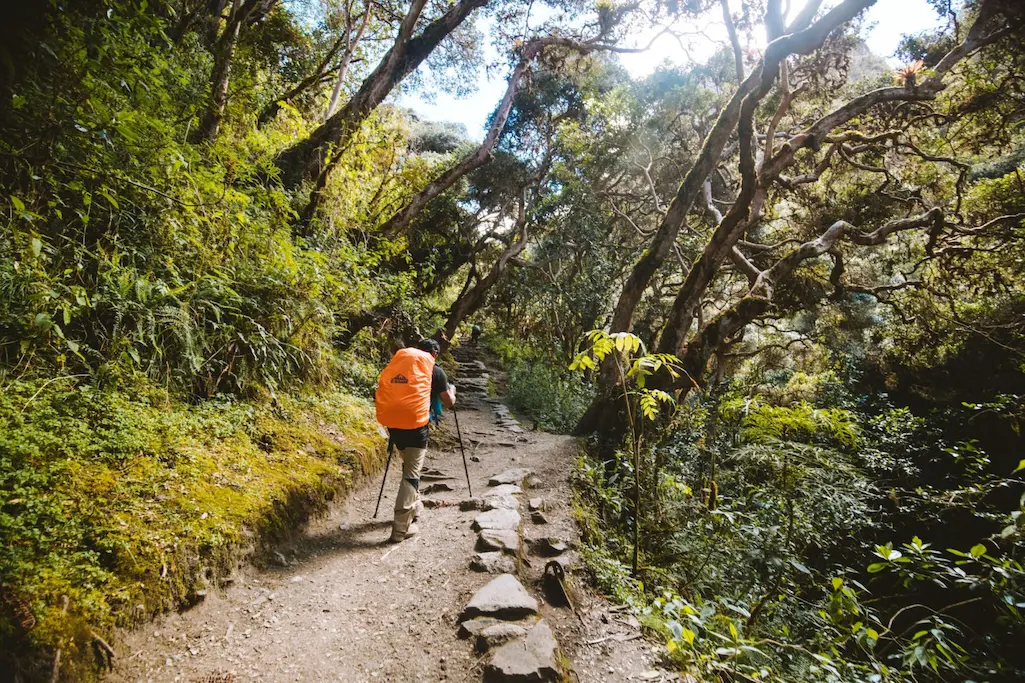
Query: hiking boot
[413,530]
[417,509]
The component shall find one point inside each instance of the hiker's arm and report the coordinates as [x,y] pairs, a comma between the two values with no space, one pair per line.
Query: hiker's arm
[448,397]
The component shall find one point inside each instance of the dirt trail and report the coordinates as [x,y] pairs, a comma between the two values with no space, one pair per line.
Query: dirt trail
[349,606]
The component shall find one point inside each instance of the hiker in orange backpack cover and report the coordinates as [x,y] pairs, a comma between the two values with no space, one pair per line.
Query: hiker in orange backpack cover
[405,391]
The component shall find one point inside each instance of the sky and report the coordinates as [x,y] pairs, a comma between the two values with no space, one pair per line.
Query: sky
[887,21]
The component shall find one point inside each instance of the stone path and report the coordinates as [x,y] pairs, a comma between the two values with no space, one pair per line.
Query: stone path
[468,599]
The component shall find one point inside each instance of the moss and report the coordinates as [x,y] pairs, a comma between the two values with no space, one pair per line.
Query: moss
[128,502]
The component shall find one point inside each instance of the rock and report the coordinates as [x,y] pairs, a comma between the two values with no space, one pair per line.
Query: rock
[500,518]
[471,504]
[507,444]
[499,539]
[474,458]
[551,546]
[493,563]
[534,658]
[435,488]
[435,477]
[568,560]
[472,627]
[503,598]
[503,502]
[496,634]
[532,482]
[535,504]
[280,559]
[503,490]
[538,517]
[513,476]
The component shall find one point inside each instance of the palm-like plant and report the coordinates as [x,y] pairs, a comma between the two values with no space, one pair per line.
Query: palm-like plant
[908,73]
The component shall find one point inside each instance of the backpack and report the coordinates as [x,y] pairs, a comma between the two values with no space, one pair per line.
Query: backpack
[403,398]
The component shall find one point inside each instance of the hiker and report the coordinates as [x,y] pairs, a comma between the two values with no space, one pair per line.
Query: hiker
[406,389]
[475,332]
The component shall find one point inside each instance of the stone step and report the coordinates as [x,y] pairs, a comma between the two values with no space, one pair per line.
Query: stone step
[499,518]
[503,598]
[532,658]
[493,562]
[514,476]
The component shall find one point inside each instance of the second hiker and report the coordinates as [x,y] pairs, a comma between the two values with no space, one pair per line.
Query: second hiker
[407,387]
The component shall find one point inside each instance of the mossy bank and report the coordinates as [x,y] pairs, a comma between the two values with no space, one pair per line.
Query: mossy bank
[131,502]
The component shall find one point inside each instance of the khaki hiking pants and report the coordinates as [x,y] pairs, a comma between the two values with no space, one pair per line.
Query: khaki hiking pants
[409,489]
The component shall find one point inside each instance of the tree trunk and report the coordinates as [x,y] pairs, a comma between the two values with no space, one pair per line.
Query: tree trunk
[318,76]
[343,68]
[224,50]
[312,158]
[401,220]
[469,301]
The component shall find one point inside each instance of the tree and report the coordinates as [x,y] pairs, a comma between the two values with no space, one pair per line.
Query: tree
[241,13]
[311,159]
[763,185]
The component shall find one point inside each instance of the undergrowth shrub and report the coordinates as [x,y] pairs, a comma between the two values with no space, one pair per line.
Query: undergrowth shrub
[125,501]
[554,397]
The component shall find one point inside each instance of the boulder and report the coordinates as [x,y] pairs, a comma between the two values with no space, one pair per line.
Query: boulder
[534,658]
[503,598]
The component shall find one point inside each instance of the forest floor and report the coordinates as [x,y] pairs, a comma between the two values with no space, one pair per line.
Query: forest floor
[341,603]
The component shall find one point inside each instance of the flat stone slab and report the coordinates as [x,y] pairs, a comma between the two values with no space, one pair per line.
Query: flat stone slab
[497,634]
[495,562]
[534,658]
[503,598]
[503,490]
[538,517]
[513,476]
[500,518]
[472,627]
[500,502]
[535,504]
[499,539]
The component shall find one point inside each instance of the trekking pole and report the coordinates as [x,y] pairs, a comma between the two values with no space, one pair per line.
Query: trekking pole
[455,414]
[387,464]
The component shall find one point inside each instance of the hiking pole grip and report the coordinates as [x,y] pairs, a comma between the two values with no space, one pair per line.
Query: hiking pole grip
[459,433]
[387,464]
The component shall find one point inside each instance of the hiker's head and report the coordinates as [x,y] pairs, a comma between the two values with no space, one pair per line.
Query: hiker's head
[430,346]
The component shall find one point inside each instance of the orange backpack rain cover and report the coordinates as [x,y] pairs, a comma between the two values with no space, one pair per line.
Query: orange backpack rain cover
[403,398]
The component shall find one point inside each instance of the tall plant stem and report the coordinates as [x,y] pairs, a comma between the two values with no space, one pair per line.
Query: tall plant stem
[634,437]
